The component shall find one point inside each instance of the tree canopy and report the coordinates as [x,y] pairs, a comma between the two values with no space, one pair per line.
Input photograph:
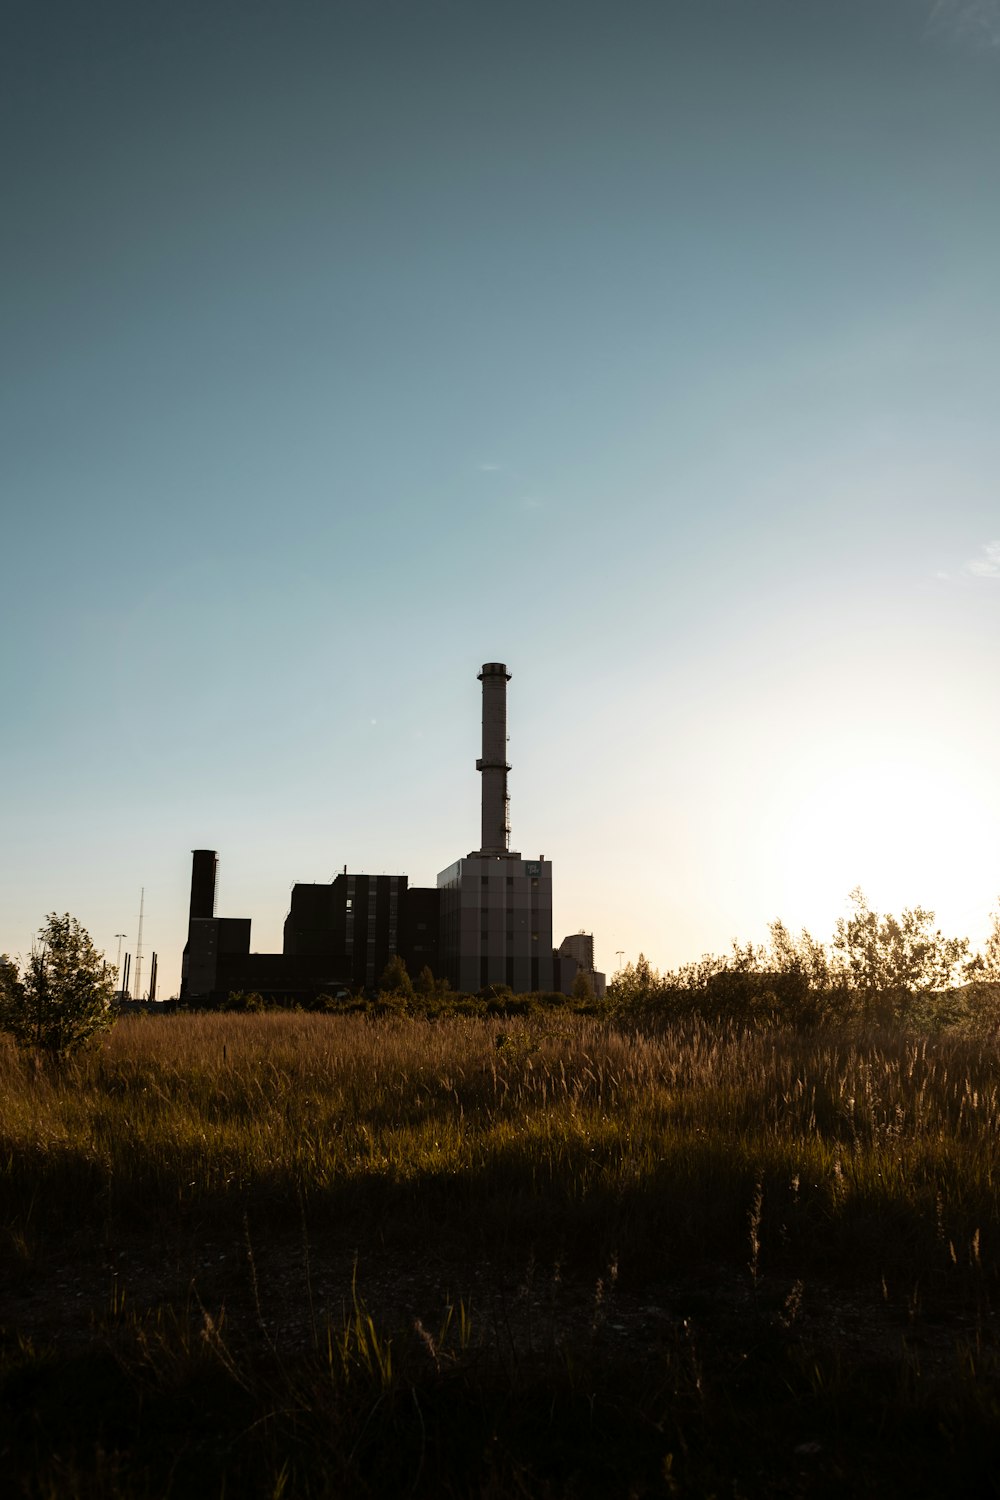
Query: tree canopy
[395,978]
[876,966]
[62,996]
[894,963]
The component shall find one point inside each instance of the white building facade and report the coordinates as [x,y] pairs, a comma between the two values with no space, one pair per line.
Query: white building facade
[496,922]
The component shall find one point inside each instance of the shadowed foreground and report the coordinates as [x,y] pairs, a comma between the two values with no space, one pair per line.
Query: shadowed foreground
[318,1255]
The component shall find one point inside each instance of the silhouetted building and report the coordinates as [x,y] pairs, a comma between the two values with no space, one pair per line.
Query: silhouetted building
[363,920]
[214,944]
[578,950]
[487,922]
[337,937]
[420,930]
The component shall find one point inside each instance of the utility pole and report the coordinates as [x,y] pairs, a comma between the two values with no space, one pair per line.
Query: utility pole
[138,947]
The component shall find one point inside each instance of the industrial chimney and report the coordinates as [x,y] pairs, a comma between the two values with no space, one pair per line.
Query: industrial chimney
[493,765]
[199,956]
[204,865]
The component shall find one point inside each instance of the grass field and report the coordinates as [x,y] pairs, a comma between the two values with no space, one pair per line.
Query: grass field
[313,1255]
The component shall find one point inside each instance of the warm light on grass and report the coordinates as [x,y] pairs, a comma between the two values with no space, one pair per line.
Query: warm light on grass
[670,1227]
[593,1136]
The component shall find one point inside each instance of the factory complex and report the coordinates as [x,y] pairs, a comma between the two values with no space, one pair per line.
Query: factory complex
[487,922]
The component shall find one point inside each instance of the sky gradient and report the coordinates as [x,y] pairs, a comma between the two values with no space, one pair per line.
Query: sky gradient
[652,348]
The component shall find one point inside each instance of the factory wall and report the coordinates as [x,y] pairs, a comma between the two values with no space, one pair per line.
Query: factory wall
[336,936]
[364,920]
[496,922]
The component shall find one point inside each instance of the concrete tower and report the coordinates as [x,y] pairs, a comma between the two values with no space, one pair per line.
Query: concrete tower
[495,907]
[493,764]
[198,959]
[210,938]
[204,869]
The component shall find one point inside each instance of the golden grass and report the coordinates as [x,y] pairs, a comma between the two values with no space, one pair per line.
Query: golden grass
[563,1128]
[729,1176]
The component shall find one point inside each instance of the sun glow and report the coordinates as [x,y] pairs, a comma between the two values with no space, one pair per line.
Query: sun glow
[910,826]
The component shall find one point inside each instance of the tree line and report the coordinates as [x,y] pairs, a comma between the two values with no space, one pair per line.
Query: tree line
[877,968]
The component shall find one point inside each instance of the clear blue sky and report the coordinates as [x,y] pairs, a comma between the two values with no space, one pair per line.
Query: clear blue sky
[652,348]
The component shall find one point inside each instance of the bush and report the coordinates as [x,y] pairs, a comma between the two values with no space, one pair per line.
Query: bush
[395,979]
[63,996]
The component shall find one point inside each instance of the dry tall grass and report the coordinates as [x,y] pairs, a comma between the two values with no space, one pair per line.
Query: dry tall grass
[751,1189]
[563,1132]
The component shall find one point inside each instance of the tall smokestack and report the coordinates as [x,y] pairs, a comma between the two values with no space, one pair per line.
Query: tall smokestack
[493,765]
[204,864]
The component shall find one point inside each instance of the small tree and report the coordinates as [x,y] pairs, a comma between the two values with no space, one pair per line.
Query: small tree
[986,965]
[983,972]
[425,984]
[583,989]
[395,979]
[63,996]
[896,964]
[636,985]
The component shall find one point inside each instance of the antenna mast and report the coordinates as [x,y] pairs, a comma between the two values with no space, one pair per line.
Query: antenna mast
[138,947]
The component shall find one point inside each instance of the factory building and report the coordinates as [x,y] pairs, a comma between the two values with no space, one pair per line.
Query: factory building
[337,937]
[578,949]
[496,908]
[488,921]
[496,922]
[364,920]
